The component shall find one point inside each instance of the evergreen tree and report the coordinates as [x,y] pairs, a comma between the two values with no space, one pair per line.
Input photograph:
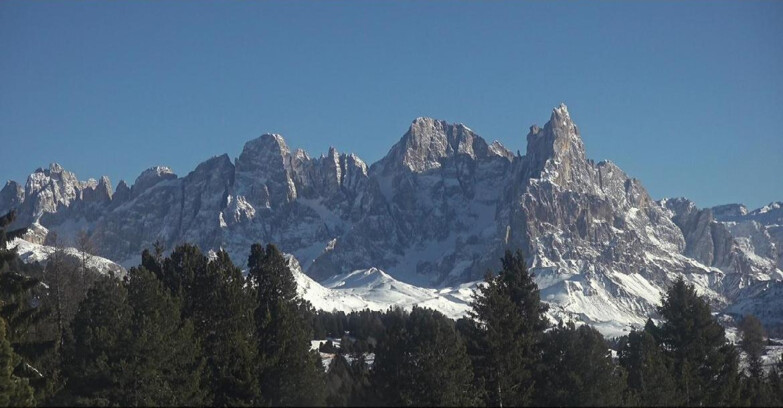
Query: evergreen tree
[775,384]
[423,362]
[97,357]
[363,394]
[753,344]
[577,370]
[14,391]
[286,365]
[756,390]
[223,315]
[132,348]
[346,383]
[650,379]
[166,357]
[27,320]
[185,268]
[511,321]
[705,364]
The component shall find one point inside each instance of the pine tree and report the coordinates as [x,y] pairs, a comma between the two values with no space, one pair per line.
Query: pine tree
[423,362]
[340,382]
[14,391]
[363,393]
[753,344]
[290,373]
[132,348]
[167,359]
[705,364]
[577,370]
[223,315]
[650,379]
[178,273]
[27,320]
[96,358]
[511,321]
[756,390]
[775,384]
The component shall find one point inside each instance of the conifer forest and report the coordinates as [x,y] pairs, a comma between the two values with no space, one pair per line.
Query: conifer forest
[191,330]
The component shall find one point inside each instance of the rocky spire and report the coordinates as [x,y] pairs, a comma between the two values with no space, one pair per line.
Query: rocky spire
[122,193]
[98,191]
[556,151]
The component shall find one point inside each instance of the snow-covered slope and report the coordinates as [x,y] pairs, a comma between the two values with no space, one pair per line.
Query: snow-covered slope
[375,290]
[30,252]
[430,217]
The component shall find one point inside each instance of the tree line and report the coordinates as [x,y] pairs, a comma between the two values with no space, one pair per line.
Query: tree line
[191,330]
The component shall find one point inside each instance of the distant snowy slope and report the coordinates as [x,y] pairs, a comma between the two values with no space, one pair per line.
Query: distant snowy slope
[375,290]
[30,252]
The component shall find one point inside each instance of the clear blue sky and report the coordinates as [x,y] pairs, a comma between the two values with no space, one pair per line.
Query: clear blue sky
[686,97]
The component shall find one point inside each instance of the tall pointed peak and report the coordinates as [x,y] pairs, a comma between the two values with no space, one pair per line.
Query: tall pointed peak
[560,114]
[122,193]
[560,122]
[558,142]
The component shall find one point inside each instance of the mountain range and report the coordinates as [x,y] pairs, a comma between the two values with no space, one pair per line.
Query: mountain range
[430,219]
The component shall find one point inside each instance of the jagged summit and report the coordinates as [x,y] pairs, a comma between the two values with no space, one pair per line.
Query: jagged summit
[556,151]
[429,141]
[55,168]
[270,145]
[560,115]
[150,177]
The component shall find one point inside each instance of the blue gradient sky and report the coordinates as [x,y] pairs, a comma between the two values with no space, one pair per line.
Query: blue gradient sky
[686,97]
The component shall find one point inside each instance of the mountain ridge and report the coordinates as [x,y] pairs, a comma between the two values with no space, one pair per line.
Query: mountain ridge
[436,211]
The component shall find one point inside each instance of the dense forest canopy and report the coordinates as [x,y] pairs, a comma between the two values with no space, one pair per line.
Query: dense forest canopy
[188,329]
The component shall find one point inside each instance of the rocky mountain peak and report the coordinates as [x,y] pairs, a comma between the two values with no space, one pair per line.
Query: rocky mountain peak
[97,191]
[498,149]
[560,117]
[556,151]
[11,196]
[268,145]
[122,193]
[264,173]
[214,164]
[48,189]
[55,168]
[150,177]
[428,141]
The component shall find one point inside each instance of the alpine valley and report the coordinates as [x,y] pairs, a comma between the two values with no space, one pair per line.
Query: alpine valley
[426,222]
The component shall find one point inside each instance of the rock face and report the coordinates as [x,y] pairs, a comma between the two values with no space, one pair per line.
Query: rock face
[438,210]
[11,196]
